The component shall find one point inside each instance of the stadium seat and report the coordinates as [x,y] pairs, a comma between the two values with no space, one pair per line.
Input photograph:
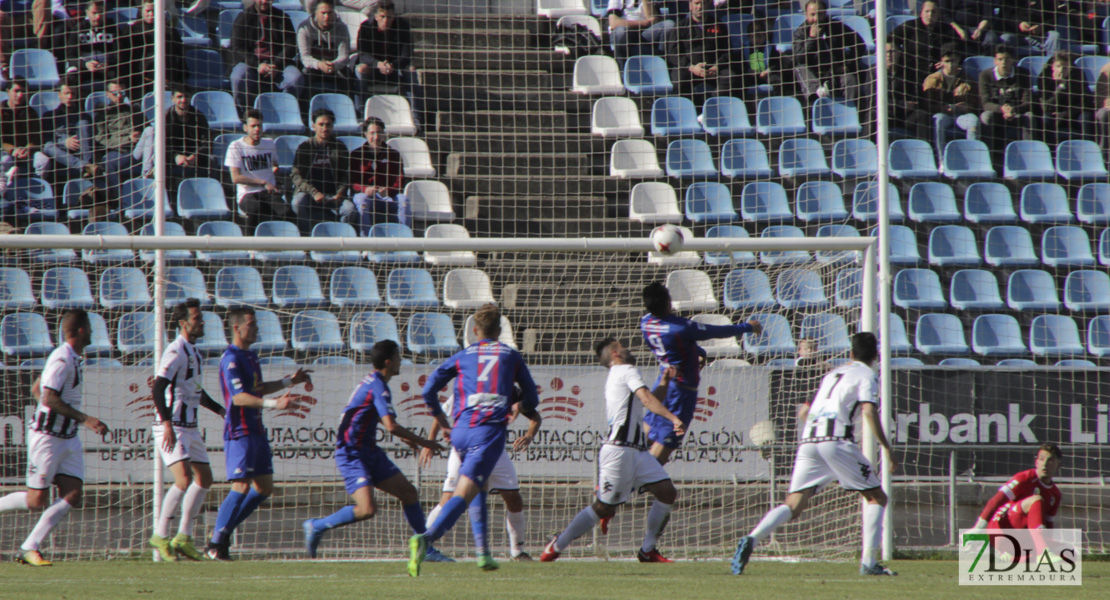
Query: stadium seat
[836,256]
[802,157]
[1098,336]
[456,258]
[271,339]
[355,288]
[106,257]
[674,115]
[1090,66]
[222,141]
[933,202]
[865,202]
[860,26]
[214,341]
[286,151]
[848,288]
[136,199]
[32,196]
[820,201]
[64,288]
[1031,289]
[739,258]
[709,202]
[911,159]
[779,116]
[685,258]
[334,361]
[148,105]
[206,70]
[124,288]
[331,229]
[410,288]
[1093,204]
[316,331]
[1080,160]
[394,111]
[570,21]
[986,202]
[1087,291]
[953,246]
[298,17]
[71,196]
[596,75]
[997,335]
[939,333]
[776,339]
[1035,66]
[221,229]
[219,108]
[93,102]
[280,113]
[748,290]
[616,116]
[1076,363]
[855,158]
[467,289]
[800,289]
[25,334]
[900,341]
[52,256]
[1066,246]
[1028,160]
[718,347]
[392,230]
[973,65]
[975,289]
[369,328]
[745,159]
[903,362]
[834,118]
[961,363]
[967,159]
[226,22]
[1104,248]
[101,343]
[15,290]
[36,66]
[351,142]
[278,229]
[297,287]
[553,9]
[903,246]
[783,257]
[346,121]
[415,155]
[240,286]
[182,283]
[1045,203]
[1009,246]
[828,330]
[47,100]
[690,159]
[654,202]
[1017,362]
[172,256]
[783,30]
[1054,335]
[135,333]
[691,290]
[647,75]
[202,199]
[634,158]
[918,289]
[431,333]
[764,201]
[725,116]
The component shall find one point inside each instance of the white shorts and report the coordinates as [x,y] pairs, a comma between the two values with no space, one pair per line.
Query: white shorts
[49,456]
[503,477]
[818,463]
[190,445]
[622,470]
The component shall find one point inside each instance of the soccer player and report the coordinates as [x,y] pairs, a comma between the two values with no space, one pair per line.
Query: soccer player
[178,395]
[363,465]
[246,447]
[674,340]
[624,465]
[1030,499]
[827,451]
[54,452]
[484,375]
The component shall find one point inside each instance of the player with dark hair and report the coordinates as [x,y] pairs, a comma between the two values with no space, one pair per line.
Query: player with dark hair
[1030,499]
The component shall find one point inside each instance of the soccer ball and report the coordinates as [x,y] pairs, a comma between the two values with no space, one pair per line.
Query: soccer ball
[667,239]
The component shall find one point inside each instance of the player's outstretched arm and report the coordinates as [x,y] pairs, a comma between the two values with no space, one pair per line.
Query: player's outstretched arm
[53,400]
[270,387]
[870,414]
[702,331]
[653,404]
[396,429]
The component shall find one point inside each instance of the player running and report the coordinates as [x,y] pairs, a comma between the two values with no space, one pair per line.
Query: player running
[827,451]
[55,455]
[362,463]
[484,375]
[177,396]
[1030,499]
[624,465]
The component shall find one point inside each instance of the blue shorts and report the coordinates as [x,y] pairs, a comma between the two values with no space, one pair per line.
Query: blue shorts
[681,401]
[365,467]
[479,448]
[248,457]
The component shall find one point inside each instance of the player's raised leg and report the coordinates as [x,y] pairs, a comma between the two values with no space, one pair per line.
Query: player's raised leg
[584,521]
[364,508]
[795,504]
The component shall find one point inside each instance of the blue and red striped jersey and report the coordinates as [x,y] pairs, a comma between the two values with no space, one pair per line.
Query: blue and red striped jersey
[240,373]
[674,340]
[484,374]
[370,401]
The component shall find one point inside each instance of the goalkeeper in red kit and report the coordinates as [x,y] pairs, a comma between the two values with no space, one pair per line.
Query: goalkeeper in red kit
[1030,499]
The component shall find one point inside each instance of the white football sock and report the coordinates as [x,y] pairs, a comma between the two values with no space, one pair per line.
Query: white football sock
[431,518]
[517,526]
[47,522]
[190,508]
[775,517]
[169,507]
[585,520]
[872,532]
[657,520]
[14,501]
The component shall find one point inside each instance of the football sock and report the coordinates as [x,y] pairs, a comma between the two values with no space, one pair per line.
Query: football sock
[657,519]
[227,512]
[431,518]
[872,532]
[450,513]
[339,518]
[775,517]
[14,501]
[169,506]
[415,516]
[47,522]
[479,522]
[190,508]
[249,505]
[585,520]
[517,526]
[1035,517]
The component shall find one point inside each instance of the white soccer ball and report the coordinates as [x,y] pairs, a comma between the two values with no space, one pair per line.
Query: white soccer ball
[667,239]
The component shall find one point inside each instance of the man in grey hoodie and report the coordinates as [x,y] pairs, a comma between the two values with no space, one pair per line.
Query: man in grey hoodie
[325,49]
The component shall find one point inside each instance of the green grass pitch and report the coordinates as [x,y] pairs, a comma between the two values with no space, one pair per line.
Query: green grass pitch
[617,580]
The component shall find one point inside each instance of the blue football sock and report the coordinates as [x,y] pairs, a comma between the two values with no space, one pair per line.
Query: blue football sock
[450,513]
[252,501]
[415,516]
[339,518]
[479,523]
[228,510]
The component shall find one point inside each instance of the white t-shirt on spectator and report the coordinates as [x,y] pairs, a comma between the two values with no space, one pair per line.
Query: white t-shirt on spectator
[633,10]
[257,161]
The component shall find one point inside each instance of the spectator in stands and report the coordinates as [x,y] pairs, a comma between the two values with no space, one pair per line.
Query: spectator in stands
[635,27]
[1031,26]
[20,130]
[67,139]
[187,140]
[1102,106]
[252,160]
[376,178]
[321,172]
[325,50]
[92,47]
[118,138]
[1063,108]
[264,45]
[761,67]
[978,21]
[136,62]
[918,43]
[826,56]
[1004,94]
[384,50]
[699,55]
[948,105]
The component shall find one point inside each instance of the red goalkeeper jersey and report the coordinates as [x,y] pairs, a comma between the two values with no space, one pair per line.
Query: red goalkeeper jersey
[1018,488]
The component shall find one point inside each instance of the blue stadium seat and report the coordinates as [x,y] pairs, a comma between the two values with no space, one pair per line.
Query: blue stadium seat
[745,159]
[1031,289]
[316,331]
[334,361]
[15,290]
[776,339]
[334,230]
[1028,160]
[219,108]
[136,199]
[834,117]
[820,201]
[848,289]
[1098,336]
[1080,160]
[674,115]
[783,31]
[724,116]
[783,257]
[709,202]
[1045,203]
[30,195]
[214,341]
[903,246]
[861,27]
[1093,204]
[939,333]
[101,343]
[1017,362]
[836,256]
[967,159]
[748,290]
[933,202]
[93,102]
[124,288]
[297,287]
[975,289]
[987,202]
[298,17]
[106,257]
[764,201]
[185,282]
[911,158]
[52,256]
[286,150]
[1104,248]
[25,334]
[1090,66]
[740,258]
[64,288]
[71,195]
[194,31]
[410,288]
[171,228]
[828,330]
[240,286]
[903,362]
[865,202]
[960,363]
[802,157]
[1066,246]
[779,116]
[135,333]
[369,328]
[202,199]
[1035,65]
[899,340]
[392,230]
[1087,291]
[222,141]
[38,67]
[855,158]
[800,289]
[431,333]
[1076,363]
[690,159]
[1054,335]
[280,229]
[148,105]
[1009,246]
[346,120]
[647,75]
[280,113]
[953,246]
[271,339]
[973,65]
[352,142]
[206,70]
[221,229]
[355,288]
[918,289]
[46,101]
